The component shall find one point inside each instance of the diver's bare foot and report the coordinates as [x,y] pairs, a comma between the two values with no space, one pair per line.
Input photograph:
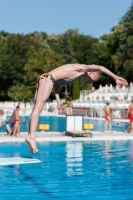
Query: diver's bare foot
[31,144]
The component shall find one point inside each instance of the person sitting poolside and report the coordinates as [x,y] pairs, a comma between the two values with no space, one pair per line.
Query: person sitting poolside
[67,108]
[9,124]
[53,80]
[2,118]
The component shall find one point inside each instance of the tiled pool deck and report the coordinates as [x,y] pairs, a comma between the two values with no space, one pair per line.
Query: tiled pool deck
[57,136]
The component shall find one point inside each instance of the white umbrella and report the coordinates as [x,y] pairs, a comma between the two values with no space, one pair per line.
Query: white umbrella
[117,88]
[85,97]
[123,87]
[106,88]
[100,88]
[100,97]
[129,97]
[111,88]
[121,97]
[90,97]
[107,97]
[94,97]
[81,97]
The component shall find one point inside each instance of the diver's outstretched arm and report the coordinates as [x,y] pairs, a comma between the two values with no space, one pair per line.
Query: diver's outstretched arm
[56,91]
[119,80]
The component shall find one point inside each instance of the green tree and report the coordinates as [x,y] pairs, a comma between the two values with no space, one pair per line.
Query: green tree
[127,21]
[14,53]
[82,47]
[41,62]
[20,93]
[88,86]
[66,49]
[75,90]
[123,57]
[54,42]
[39,40]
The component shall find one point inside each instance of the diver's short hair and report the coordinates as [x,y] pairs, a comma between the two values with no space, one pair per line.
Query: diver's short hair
[98,73]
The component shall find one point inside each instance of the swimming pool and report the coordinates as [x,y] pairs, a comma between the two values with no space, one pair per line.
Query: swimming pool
[58,123]
[94,170]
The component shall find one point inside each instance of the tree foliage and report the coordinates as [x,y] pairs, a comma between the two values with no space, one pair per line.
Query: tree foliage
[123,55]
[20,93]
[75,90]
[24,57]
[66,49]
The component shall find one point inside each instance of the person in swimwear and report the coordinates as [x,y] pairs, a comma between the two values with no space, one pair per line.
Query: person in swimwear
[2,118]
[129,115]
[53,80]
[9,124]
[16,122]
[108,117]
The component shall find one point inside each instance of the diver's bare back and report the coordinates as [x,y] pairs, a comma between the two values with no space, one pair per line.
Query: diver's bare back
[68,73]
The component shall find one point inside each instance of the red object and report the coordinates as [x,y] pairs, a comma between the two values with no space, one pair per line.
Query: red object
[16,120]
[107,115]
[131,117]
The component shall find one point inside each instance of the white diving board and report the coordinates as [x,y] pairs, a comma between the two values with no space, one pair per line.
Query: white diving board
[18,160]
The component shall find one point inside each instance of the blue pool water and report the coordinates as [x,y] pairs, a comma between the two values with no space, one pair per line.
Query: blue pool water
[58,124]
[94,170]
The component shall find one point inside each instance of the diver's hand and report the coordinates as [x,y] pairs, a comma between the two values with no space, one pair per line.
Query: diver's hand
[120,81]
[60,106]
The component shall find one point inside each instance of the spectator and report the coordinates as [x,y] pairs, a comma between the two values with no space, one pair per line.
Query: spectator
[118,124]
[68,109]
[2,118]
[16,129]
[71,106]
[130,116]
[108,120]
[9,124]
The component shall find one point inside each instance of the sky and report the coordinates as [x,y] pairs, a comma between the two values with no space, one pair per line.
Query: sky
[90,17]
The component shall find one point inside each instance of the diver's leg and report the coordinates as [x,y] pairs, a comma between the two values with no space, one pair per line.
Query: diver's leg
[37,87]
[44,90]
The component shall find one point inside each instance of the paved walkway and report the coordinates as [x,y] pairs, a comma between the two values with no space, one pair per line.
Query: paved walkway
[51,136]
